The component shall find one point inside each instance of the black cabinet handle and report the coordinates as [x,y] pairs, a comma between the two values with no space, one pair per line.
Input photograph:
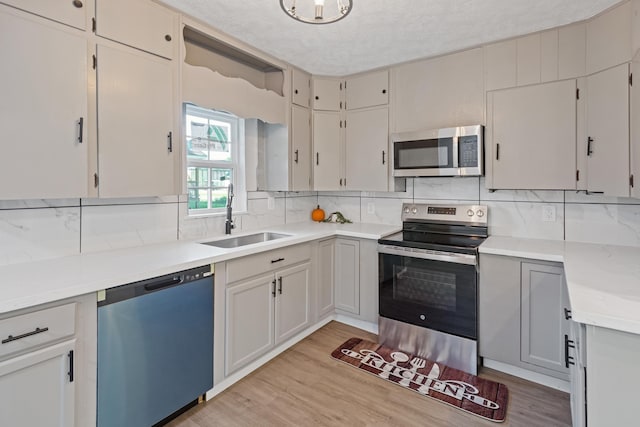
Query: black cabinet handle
[296,158]
[170,142]
[317,97]
[70,373]
[384,91]
[567,314]
[280,285]
[383,159]
[589,150]
[11,338]
[80,129]
[273,289]
[273,261]
[295,91]
[497,151]
[77,3]
[317,159]
[568,360]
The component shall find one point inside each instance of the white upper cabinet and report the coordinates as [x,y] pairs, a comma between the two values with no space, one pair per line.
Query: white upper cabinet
[43,108]
[609,39]
[607,144]
[138,23]
[572,51]
[70,12]
[500,65]
[327,94]
[137,143]
[301,149]
[300,88]
[528,60]
[367,149]
[531,137]
[327,151]
[367,90]
[635,130]
[549,56]
[436,93]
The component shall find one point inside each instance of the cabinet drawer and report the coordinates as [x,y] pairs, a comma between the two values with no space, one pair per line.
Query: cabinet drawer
[64,11]
[29,330]
[252,265]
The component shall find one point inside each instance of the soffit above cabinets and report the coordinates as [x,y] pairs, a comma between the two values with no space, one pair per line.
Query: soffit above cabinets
[379,33]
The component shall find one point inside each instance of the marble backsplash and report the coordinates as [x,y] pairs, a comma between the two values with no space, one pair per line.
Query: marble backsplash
[39,229]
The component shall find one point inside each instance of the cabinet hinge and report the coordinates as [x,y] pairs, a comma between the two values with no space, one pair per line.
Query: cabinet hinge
[340,85]
[577,175]
[341,105]
[340,124]
[95,61]
[577,93]
[93,24]
[345,85]
[96,180]
[345,124]
[631,181]
[631,79]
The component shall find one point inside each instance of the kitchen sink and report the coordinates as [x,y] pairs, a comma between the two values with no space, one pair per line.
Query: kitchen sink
[234,242]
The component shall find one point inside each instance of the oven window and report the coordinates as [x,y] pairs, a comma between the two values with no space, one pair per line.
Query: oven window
[428,287]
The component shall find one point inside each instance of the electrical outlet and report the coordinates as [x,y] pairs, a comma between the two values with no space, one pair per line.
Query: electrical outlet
[271,203]
[549,213]
[371,208]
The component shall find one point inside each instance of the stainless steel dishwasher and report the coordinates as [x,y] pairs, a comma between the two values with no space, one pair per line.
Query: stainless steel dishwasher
[155,347]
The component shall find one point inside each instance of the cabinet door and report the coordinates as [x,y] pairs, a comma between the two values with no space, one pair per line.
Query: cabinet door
[347,279]
[46,372]
[368,90]
[326,94]
[138,23]
[327,167]
[136,140]
[301,148]
[543,323]
[367,149]
[577,377]
[499,309]
[635,129]
[43,101]
[249,329]
[73,13]
[532,132]
[326,275]
[608,130]
[609,38]
[293,306]
[300,88]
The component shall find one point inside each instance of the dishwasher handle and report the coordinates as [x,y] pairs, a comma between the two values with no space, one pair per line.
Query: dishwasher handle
[163,284]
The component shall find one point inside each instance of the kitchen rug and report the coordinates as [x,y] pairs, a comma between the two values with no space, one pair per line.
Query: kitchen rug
[478,396]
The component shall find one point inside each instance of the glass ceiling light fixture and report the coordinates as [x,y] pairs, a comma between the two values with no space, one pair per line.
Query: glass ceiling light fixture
[315,11]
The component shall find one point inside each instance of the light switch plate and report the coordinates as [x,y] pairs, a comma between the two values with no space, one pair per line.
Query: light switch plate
[271,203]
[371,208]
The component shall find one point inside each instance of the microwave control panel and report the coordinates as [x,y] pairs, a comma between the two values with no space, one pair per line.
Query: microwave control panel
[468,149]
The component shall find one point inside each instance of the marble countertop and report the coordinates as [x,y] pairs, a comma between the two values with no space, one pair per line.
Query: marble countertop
[30,284]
[603,280]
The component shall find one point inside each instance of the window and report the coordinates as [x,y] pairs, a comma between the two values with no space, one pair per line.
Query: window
[214,148]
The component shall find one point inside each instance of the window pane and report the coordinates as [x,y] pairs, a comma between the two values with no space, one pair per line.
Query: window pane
[219,135]
[197,177]
[220,179]
[198,198]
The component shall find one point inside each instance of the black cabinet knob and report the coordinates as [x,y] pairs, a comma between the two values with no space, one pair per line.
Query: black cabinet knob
[295,91]
[167,38]
[77,3]
[384,91]
[317,97]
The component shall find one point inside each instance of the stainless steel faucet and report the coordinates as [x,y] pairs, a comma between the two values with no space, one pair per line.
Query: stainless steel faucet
[228,224]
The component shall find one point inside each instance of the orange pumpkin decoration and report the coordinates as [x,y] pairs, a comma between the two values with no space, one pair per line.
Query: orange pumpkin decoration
[317,214]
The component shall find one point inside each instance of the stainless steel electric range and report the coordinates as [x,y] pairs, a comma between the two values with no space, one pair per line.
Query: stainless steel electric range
[428,283]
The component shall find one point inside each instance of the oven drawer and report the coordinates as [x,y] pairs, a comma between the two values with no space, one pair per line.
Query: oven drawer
[23,332]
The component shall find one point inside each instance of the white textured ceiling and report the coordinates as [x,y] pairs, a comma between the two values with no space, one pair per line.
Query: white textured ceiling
[378,33]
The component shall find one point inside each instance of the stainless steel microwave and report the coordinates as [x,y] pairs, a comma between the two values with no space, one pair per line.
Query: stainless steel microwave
[455,151]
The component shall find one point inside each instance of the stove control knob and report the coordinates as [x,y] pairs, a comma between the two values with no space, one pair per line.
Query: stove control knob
[414,210]
[406,209]
[480,213]
[470,212]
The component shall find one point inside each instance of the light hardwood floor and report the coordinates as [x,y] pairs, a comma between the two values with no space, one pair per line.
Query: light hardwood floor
[304,386]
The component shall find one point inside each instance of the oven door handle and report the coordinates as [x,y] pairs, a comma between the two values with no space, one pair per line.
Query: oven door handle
[426,254]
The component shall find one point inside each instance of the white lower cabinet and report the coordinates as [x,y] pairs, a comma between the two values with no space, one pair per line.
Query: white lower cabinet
[522,319]
[265,311]
[48,373]
[347,275]
[326,262]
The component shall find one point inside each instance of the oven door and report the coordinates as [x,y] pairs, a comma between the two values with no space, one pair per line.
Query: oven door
[435,290]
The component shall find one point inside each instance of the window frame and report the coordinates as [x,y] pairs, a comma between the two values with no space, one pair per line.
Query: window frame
[236,164]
